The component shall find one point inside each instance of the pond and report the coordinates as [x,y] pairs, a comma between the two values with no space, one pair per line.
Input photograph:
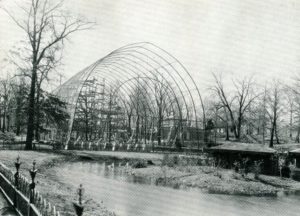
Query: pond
[129,196]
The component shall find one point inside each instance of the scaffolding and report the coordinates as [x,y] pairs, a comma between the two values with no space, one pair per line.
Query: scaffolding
[138,93]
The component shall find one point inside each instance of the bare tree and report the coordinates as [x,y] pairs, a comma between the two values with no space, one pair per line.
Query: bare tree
[291,99]
[237,103]
[138,110]
[296,121]
[6,96]
[20,94]
[263,114]
[160,97]
[46,26]
[293,94]
[274,109]
[51,63]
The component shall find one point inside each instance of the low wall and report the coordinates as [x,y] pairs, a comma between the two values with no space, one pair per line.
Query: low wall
[20,145]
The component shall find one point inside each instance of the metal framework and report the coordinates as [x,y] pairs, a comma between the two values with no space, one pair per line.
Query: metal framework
[138,93]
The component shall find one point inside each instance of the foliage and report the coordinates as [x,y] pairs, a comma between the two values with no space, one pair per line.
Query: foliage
[139,164]
[242,166]
[170,160]
[210,125]
[53,110]
[7,136]
[256,168]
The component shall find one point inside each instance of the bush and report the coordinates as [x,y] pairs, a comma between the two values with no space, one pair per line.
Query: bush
[2,136]
[170,161]
[8,136]
[139,164]
[256,168]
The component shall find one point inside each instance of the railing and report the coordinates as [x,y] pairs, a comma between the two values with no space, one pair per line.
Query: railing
[22,194]
[141,147]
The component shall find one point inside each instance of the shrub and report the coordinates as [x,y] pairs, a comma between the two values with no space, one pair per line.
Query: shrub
[2,135]
[292,167]
[199,162]
[237,166]
[149,162]
[8,136]
[139,164]
[176,159]
[168,161]
[256,168]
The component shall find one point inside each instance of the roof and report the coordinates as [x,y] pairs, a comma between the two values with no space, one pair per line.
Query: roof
[243,147]
[287,146]
[296,151]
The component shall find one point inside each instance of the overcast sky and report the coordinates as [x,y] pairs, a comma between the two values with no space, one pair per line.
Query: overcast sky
[230,36]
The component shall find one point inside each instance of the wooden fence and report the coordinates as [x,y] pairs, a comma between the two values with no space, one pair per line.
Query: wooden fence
[19,197]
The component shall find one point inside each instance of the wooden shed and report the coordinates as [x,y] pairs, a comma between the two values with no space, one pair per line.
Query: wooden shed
[230,152]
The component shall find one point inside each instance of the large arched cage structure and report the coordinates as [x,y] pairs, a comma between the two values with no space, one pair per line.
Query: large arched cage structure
[138,94]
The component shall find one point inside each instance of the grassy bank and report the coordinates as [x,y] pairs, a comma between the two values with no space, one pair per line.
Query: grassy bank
[209,179]
[187,173]
[190,172]
[193,172]
[49,184]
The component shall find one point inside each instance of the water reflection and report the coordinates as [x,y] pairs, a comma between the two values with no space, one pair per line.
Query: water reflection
[133,196]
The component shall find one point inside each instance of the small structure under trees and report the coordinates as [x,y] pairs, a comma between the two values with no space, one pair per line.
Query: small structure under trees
[228,154]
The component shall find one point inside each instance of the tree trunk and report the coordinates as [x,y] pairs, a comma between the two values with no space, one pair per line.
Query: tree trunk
[8,123]
[86,127]
[272,134]
[159,123]
[4,119]
[239,127]
[0,120]
[233,123]
[227,132]
[297,140]
[18,115]
[137,131]
[276,134]
[263,133]
[129,125]
[109,128]
[37,109]
[145,128]
[31,110]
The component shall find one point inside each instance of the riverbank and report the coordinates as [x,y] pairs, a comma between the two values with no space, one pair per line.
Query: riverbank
[150,167]
[188,174]
[48,182]
[216,180]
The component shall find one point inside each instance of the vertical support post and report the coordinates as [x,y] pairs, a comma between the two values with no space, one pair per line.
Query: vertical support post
[32,172]
[17,165]
[80,194]
[78,206]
